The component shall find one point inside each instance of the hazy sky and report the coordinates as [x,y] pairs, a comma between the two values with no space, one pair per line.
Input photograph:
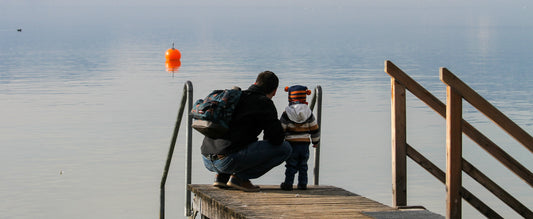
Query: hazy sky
[379,14]
[13,11]
[406,3]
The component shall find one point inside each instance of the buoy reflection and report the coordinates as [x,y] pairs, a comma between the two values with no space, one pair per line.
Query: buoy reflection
[172,66]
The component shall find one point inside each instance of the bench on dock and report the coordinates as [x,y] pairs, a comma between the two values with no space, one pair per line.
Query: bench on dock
[272,202]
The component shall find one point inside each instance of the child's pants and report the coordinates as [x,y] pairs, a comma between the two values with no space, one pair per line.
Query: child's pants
[297,162]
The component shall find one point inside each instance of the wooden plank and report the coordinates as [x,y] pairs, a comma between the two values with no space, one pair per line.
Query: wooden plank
[272,202]
[399,141]
[486,108]
[453,153]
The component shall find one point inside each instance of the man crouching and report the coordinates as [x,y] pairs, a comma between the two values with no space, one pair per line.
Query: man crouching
[239,156]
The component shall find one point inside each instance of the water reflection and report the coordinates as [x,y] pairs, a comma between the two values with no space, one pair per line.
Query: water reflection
[172,66]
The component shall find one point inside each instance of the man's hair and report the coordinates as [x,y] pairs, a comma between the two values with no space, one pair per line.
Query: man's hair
[268,81]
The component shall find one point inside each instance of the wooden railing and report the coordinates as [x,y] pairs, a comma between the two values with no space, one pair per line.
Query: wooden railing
[455,127]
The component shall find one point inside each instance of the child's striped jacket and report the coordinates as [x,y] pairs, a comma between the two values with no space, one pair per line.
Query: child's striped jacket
[300,124]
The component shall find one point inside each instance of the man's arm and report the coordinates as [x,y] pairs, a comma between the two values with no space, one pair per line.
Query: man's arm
[273,131]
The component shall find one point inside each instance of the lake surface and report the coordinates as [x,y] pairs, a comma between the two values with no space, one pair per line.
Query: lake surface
[88,108]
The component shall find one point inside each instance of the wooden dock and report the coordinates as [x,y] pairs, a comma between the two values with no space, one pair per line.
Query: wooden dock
[272,202]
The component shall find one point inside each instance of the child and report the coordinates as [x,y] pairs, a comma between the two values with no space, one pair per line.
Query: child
[300,128]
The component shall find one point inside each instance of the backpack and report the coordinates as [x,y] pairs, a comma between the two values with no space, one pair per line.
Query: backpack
[212,115]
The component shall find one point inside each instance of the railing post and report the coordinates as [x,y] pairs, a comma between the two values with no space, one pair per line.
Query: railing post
[188,206]
[318,92]
[453,152]
[317,100]
[399,144]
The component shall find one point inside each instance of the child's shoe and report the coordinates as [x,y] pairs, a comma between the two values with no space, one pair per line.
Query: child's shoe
[302,186]
[285,186]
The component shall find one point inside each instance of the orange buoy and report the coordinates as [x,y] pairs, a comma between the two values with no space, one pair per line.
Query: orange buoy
[172,65]
[173,54]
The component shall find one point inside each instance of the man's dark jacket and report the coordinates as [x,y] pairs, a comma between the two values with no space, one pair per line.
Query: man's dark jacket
[254,113]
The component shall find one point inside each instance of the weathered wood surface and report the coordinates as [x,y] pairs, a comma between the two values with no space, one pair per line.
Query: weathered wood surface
[272,202]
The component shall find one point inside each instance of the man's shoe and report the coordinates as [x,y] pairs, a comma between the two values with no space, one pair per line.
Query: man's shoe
[285,186]
[242,184]
[221,180]
[302,186]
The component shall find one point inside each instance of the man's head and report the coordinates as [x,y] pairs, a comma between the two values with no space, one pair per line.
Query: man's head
[268,81]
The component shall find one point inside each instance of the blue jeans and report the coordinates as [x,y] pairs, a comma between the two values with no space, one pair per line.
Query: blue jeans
[251,162]
[297,163]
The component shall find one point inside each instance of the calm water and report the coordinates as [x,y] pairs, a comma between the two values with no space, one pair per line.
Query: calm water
[87,107]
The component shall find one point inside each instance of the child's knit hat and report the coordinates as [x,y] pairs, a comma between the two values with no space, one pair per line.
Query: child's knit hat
[297,93]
